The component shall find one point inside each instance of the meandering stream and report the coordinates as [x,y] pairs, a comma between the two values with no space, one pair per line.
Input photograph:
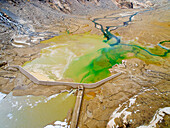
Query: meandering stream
[87,58]
[84,58]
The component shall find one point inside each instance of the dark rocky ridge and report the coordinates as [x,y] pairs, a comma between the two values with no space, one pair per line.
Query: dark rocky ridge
[42,15]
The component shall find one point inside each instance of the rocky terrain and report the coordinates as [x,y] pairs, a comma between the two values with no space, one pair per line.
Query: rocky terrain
[130,100]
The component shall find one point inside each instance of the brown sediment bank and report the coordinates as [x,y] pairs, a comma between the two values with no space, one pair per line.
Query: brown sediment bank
[147,83]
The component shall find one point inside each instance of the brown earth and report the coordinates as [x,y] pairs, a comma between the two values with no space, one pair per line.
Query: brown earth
[148,81]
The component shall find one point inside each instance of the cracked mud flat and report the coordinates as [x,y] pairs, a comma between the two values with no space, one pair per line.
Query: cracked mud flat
[137,98]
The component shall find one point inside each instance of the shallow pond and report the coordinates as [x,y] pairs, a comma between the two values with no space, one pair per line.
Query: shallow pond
[82,58]
[34,111]
[87,58]
[55,60]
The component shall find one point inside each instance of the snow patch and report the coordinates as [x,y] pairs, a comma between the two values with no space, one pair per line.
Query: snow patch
[160,113]
[58,124]
[124,112]
[10,116]
[2,95]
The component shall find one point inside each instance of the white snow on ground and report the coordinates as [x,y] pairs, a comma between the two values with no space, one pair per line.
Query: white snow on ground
[117,114]
[160,113]
[2,95]
[58,124]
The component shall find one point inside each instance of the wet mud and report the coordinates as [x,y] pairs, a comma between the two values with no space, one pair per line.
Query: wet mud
[137,44]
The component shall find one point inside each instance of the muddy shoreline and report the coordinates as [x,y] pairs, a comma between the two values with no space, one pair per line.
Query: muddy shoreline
[133,98]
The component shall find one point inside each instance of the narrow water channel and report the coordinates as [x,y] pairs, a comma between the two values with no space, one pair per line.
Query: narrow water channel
[87,58]
[81,58]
